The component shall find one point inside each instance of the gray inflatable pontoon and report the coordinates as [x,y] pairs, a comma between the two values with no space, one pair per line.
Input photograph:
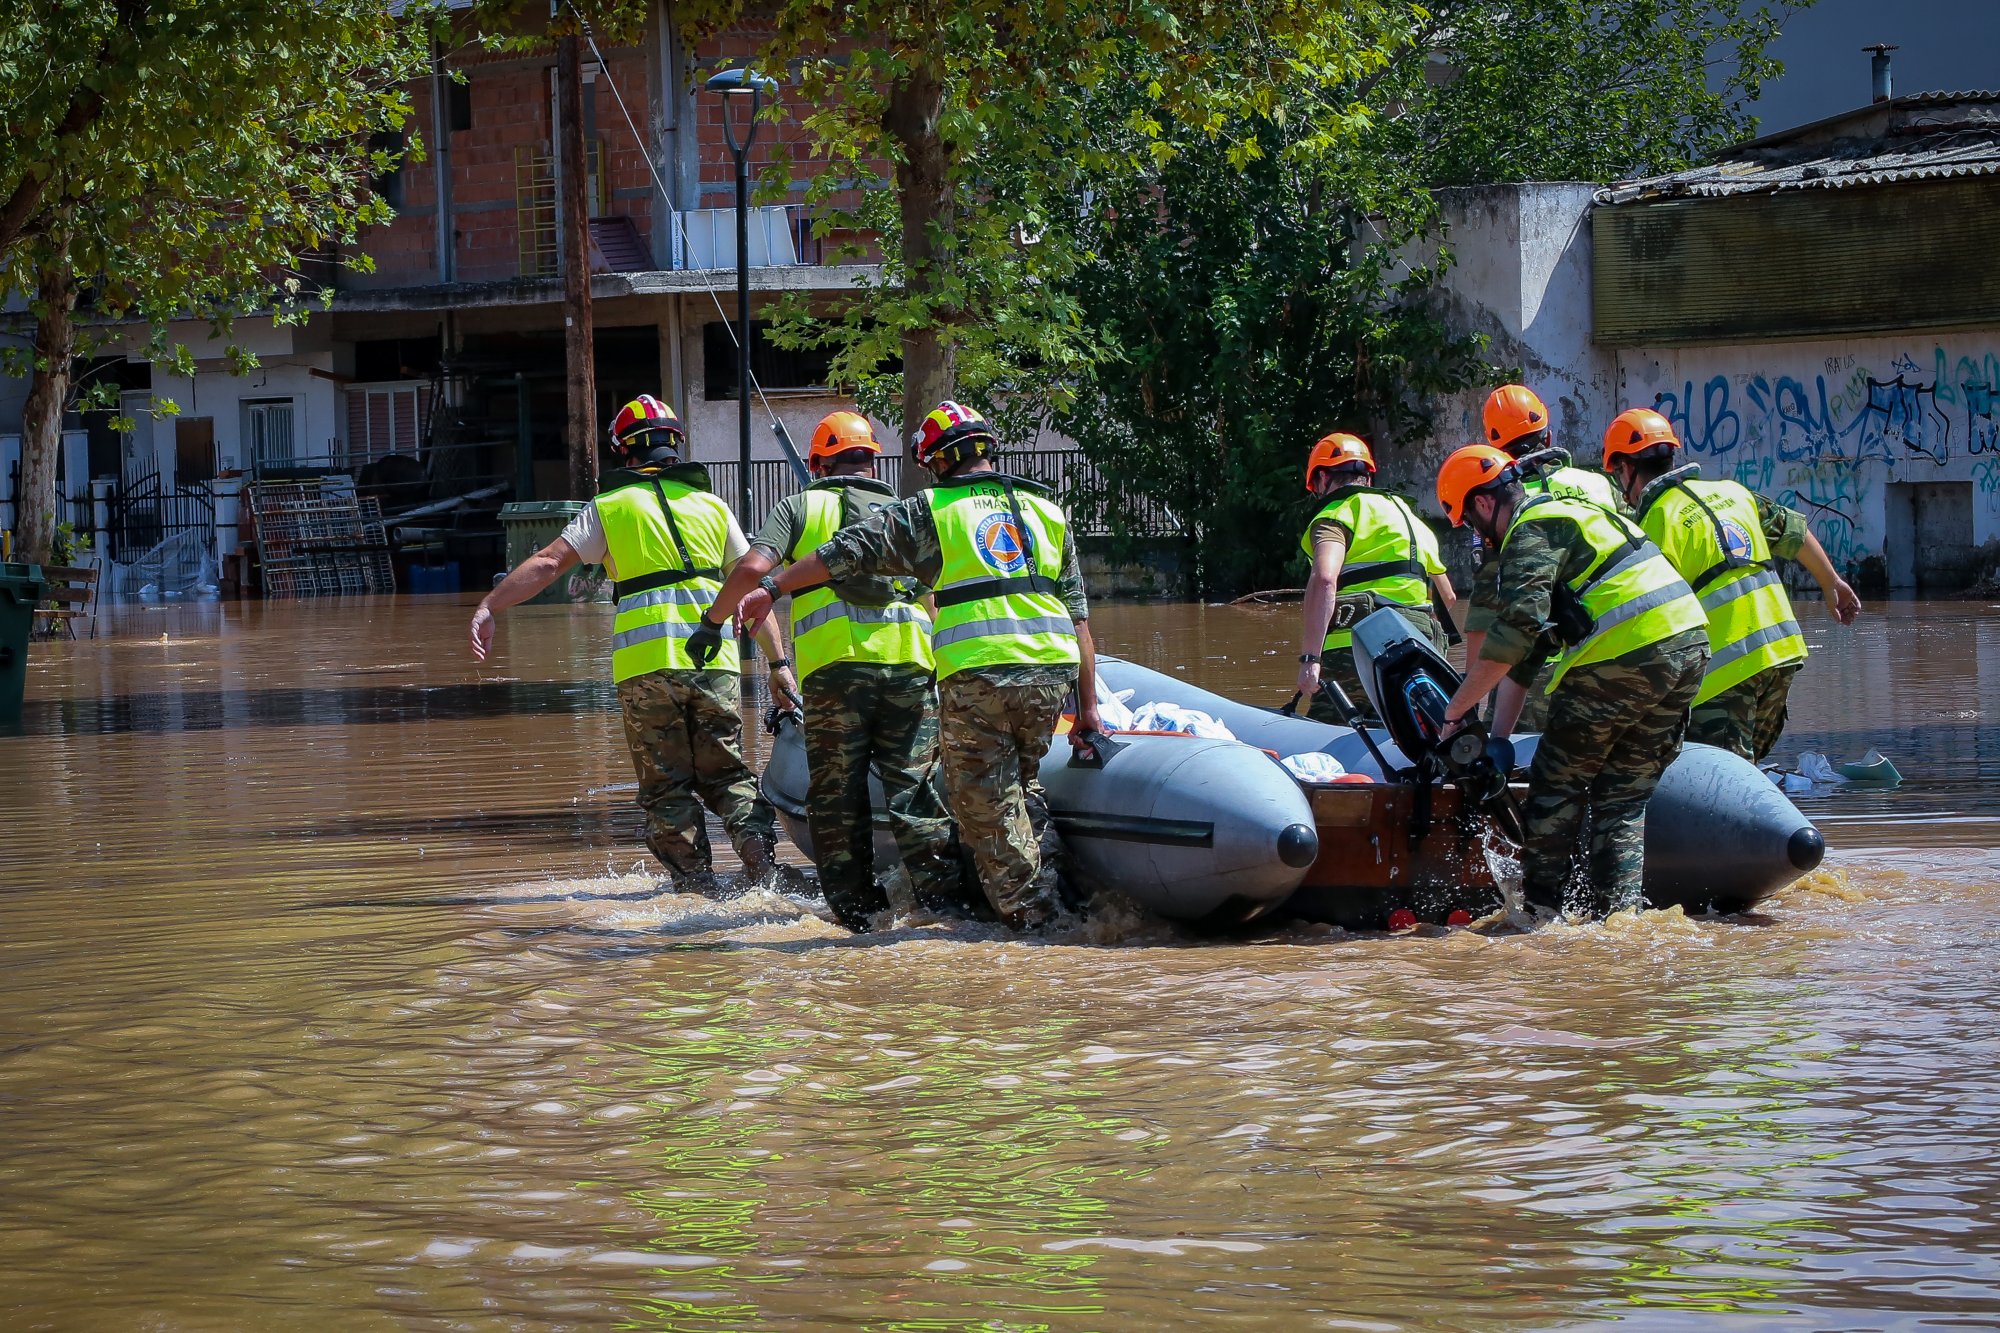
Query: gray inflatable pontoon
[1719,835]
[1197,830]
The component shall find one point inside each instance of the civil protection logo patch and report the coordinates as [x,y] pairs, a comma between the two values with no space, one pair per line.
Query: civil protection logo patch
[1735,537]
[999,543]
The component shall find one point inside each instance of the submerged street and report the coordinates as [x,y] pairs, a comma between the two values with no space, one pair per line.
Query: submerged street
[334,977]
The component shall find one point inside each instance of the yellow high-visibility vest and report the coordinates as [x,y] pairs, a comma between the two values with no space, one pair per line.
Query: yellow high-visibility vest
[666,540]
[997,595]
[1392,552]
[826,629]
[1573,483]
[1633,594]
[1711,532]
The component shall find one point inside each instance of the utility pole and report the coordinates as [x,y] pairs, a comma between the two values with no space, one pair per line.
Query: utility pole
[580,419]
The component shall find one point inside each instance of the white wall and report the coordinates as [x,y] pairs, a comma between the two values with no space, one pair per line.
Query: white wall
[1521,275]
[1824,426]
[319,420]
[1827,426]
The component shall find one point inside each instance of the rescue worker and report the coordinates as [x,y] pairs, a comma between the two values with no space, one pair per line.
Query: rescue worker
[1634,643]
[668,543]
[1726,540]
[1368,549]
[1517,423]
[863,649]
[1012,640]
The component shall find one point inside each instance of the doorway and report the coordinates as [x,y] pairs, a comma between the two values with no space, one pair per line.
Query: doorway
[1929,536]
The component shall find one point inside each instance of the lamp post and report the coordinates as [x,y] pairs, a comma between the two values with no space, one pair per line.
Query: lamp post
[750,88]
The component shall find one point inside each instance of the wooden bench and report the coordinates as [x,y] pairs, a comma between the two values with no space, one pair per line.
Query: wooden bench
[73,590]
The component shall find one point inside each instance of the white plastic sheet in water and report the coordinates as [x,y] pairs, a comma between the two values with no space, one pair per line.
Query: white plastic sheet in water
[180,569]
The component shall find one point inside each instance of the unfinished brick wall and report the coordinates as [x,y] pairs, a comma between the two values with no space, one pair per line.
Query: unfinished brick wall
[511,104]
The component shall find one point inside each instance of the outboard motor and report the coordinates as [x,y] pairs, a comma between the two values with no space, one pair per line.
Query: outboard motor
[1410,684]
[1407,681]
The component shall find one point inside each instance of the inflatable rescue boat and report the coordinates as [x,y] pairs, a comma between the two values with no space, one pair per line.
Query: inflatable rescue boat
[1218,832]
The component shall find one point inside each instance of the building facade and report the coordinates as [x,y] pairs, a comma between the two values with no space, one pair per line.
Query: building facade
[1813,312]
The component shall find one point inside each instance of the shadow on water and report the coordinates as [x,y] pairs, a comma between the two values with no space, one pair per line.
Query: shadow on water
[587,826]
[359,705]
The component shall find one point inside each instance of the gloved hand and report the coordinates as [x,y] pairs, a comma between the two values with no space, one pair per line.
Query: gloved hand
[704,643]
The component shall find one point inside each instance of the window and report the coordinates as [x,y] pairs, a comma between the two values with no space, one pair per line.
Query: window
[458,103]
[267,432]
[384,419]
[776,369]
[390,183]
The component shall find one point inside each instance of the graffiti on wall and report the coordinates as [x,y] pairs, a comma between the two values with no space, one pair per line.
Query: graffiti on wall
[1825,438]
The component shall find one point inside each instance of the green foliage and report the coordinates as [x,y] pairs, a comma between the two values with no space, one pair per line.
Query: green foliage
[963,136]
[1255,291]
[68,546]
[197,158]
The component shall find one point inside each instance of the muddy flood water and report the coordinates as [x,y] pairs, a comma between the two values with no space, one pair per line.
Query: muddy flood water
[337,992]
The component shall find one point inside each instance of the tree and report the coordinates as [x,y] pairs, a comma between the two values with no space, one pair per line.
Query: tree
[1240,306]
[963,135]
[177,159]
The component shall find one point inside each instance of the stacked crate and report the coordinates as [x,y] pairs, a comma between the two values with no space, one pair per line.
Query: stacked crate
[316,538]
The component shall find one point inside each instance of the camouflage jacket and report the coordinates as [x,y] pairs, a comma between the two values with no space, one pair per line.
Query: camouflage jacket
[860,495]
[902,539]
[1534,558]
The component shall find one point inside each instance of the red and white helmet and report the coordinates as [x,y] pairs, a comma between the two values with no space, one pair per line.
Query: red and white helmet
[952,426]
[638,421]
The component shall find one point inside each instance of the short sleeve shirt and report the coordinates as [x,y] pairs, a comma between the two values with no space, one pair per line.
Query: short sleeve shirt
[585,536]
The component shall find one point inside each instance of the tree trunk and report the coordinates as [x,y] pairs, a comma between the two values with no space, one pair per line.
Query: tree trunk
[41,417]
[924,194]
[580,424]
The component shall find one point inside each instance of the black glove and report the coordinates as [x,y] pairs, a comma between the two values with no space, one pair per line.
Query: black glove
[704,643]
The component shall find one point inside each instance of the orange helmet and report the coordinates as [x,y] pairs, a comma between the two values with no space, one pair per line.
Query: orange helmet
[1339,450]
[952,426]
[1467,471]
[840,432]
[1513,411]
[639,421]
[1635,431]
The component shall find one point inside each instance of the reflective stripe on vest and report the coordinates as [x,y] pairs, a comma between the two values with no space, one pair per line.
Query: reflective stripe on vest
[826,629]
[1713,534]
[1006,611]
[1391,552]
[1630,590]
[666,540]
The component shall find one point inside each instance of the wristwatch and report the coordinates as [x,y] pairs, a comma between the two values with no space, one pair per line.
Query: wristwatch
[1307,659]
[770,585]
[778,662]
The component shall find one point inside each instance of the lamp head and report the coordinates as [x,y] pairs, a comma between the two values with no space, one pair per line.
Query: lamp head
[734,82]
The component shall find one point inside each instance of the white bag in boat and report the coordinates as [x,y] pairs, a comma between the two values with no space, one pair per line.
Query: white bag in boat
[1186,721]
[1313,766]
[1112,709]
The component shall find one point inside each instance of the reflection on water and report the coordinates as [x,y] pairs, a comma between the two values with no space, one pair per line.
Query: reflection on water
[333,980]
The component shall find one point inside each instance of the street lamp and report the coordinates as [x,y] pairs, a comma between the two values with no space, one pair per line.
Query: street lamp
[748,88]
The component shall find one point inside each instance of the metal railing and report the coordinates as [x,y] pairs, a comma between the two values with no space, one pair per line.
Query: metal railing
[1097,507]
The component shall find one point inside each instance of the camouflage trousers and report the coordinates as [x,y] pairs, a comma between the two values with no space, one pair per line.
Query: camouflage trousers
[1747,718]
[1337,665]
[685,731]
[862,716]
[1613,728]
[995,736]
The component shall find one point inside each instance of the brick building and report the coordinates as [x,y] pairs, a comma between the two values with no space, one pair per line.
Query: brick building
[456,333]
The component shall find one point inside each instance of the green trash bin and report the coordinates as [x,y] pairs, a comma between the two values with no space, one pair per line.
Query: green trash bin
[530,526]
[20,590]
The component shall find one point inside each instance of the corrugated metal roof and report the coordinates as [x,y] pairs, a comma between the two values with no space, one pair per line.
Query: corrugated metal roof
[1917,137]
